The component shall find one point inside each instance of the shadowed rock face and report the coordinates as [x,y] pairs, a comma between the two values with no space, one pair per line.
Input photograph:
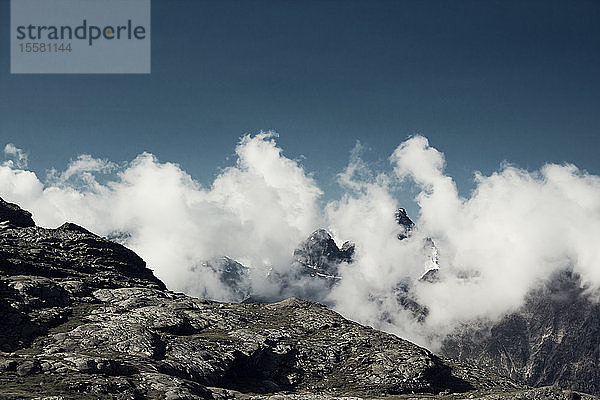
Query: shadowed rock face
[405,222]
[83,318]
[319,256]
[553,338]
[14,215]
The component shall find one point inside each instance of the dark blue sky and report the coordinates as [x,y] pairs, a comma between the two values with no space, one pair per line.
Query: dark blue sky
[485,81]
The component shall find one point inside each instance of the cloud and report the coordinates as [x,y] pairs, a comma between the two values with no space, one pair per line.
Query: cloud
[81,172]
[255,211]
[18,157]
[509,235]
[512,232]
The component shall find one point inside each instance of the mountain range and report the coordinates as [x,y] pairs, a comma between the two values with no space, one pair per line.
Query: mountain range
[85,318]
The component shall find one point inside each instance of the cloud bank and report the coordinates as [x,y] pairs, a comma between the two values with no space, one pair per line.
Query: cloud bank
[510,234]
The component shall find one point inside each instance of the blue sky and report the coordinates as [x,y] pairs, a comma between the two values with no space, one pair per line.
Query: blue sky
[485,81]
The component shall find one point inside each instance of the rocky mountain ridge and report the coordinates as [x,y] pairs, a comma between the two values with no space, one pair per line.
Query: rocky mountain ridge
[84,318]
[553,338]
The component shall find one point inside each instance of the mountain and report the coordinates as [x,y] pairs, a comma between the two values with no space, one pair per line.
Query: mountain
[553,338]
[84,318]
[12,214]
[233,275]
[315,270]
[405,222]
[319,255]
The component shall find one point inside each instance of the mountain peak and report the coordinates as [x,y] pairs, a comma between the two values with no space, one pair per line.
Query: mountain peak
[13,215]
[405,222]
[320,253]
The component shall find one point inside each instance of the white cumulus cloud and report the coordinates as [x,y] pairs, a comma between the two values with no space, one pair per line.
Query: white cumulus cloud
[512,232]
[17,156]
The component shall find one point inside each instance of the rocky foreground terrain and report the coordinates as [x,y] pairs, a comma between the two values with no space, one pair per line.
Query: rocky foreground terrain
[84,318]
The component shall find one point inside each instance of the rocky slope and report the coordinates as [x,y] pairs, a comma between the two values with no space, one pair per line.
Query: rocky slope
[84,318]
[553,338]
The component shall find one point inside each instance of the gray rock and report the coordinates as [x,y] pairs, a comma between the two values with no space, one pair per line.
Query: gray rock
[554,338]
[405,223]
[320,256]
[15,216]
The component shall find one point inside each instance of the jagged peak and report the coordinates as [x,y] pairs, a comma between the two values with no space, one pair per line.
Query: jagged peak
[13,215]
[71,227]
[402,218]
[405,222]
[320,234]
